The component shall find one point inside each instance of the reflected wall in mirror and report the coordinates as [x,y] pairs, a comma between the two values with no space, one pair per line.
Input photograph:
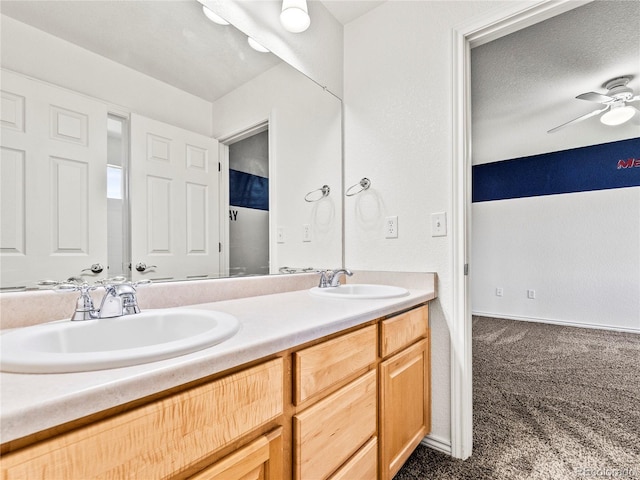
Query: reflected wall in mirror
[117,122]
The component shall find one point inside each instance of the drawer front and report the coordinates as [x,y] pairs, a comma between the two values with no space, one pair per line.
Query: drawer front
[362,466]
[321,366]
[331,431]
[261,459]
[154,440]
[402,330]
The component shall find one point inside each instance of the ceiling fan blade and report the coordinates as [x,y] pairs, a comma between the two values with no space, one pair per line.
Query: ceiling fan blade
[634,99]
[595,97]
[579,119]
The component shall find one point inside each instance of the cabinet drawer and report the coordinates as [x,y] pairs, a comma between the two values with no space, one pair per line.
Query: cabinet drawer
[362,466]
[162,438]
[321,366]
[401,331]
[261,459]
[328,433]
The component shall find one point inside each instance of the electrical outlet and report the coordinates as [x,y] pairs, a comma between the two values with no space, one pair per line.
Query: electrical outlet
[306,232]
[531,294]
[499,291]
[391,227]
[439,224]
[280,235]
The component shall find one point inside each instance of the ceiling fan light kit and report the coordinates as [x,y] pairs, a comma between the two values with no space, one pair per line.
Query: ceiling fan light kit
[615,110]
[617,115]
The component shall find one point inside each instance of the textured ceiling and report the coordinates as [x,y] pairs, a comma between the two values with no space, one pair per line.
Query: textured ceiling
[525,83]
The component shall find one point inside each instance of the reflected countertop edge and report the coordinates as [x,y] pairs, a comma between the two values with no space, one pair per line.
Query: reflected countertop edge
[269,324]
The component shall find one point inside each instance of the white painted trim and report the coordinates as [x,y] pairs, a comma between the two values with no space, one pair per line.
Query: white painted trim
[495,25]
[565,323]
[437,443]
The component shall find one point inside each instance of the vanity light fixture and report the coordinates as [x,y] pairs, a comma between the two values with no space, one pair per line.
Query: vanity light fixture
[214,17]
[617,115]
[295,16]
[256,46]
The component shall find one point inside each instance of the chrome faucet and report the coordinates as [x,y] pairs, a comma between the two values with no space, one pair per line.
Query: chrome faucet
[119,299]
[331,278]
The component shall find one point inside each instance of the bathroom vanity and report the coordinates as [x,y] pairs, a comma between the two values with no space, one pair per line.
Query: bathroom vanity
[309,388]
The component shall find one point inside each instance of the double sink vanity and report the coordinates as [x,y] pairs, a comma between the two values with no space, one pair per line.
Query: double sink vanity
[297,382]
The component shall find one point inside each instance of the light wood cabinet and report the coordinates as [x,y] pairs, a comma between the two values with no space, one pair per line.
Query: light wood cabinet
[162,439]
[352,406]
[362,466]
[260,460]
[405,400]
[319,367]
[328,433]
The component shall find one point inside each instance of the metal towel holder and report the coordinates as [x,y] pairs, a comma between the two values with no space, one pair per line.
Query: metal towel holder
[324,192]
[364,184]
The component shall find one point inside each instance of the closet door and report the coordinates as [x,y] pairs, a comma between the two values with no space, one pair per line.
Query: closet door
[53,183]
[174,202]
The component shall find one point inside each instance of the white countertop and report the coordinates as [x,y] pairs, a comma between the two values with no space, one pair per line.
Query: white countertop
[269,324]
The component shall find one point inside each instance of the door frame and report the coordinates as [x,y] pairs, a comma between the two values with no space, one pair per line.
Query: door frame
[223,145]
[465,37]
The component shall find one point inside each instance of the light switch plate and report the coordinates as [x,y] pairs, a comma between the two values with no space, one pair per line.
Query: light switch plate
[280,235]
[439,224]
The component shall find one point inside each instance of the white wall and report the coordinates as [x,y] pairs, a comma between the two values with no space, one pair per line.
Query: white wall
[32,52]
[580,252]
[398,133]
[305,150]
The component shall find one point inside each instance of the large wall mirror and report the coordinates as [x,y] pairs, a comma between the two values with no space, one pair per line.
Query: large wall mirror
[141,139]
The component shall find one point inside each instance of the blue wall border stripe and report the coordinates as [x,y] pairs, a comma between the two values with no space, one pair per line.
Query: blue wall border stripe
[596,167]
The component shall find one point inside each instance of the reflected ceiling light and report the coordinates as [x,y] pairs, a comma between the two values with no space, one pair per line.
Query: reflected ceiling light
[256,46]
[295,16]
[618,115]
[214,17]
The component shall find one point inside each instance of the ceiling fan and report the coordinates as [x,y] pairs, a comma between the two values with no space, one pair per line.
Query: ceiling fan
[615,110]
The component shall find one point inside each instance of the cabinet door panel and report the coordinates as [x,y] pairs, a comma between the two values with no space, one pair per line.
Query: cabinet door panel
[404,388]
[331,431]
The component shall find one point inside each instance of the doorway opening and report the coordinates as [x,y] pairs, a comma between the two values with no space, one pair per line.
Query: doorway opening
[248,199]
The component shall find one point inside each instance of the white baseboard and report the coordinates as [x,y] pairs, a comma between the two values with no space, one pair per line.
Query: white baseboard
[558,322]
[437,443]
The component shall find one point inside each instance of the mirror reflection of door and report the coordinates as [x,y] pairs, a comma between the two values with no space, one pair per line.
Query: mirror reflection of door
[249,205]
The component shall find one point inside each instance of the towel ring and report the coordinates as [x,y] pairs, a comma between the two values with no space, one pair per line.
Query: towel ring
[364,184]
[324,192]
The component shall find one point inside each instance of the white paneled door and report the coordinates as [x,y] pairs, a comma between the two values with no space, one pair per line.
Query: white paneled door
[53,183]
[174,202]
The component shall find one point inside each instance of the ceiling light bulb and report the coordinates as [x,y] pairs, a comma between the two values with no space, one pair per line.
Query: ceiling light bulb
[214,17]
[618,115]
[295,16]
[256,46]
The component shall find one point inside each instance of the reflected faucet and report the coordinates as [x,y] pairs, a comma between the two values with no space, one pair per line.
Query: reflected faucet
[331,278]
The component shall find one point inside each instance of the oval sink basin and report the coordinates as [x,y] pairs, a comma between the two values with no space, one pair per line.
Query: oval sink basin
[66,346]
[364,291]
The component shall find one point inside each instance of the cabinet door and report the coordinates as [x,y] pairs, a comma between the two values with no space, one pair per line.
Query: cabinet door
[260,460]
[405,405]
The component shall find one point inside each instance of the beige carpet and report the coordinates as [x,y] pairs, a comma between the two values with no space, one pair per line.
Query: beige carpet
[550,402]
